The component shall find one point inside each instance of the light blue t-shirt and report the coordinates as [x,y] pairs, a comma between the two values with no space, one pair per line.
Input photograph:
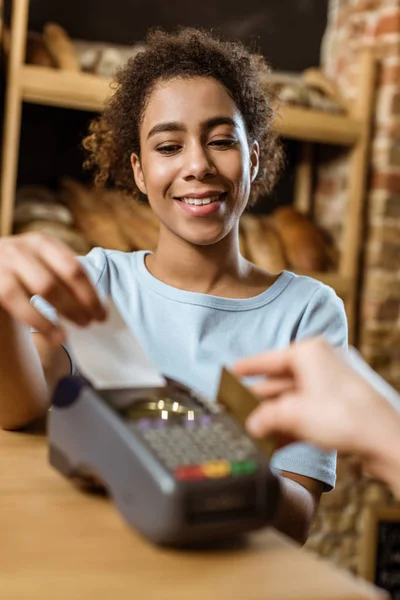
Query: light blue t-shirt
[189,336]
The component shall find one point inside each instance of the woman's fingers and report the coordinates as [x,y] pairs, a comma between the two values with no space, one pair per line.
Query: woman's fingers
[36,264]
[36,278]
[60,261]
[15,300]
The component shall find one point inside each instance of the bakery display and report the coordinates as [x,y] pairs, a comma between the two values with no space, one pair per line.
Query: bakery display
[85,216]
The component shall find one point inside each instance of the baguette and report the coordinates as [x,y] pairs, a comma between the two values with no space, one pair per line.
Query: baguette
[137,221]
[60,47]
[29,210]
[37,52]
[35,193]
[316,79]
[74,239]
[264,246]
[93,217]
[305,245]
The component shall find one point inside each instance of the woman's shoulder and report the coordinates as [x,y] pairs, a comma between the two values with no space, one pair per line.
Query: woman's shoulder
[303,287]
[321,311]
[100,264]
[309,286]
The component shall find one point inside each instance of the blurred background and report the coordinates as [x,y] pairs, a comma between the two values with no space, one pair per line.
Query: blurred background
[336,211]
[58,133]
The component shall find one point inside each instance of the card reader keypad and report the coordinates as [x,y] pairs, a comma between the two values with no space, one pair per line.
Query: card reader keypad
[206,447]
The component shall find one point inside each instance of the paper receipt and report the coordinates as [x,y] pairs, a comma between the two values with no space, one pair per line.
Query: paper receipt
[109,355]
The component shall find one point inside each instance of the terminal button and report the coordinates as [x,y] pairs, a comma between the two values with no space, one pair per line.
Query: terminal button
[189,473]
[216,468]
[244,467]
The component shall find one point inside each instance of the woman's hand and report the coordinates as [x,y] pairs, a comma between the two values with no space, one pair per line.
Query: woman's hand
[36,263]
[312,394]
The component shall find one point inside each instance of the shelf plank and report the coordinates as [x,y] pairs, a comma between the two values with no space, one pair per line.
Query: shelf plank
[85,91]
[317,126]
[67,89]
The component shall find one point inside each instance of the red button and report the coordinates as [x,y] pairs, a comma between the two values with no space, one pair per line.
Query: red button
[188,473]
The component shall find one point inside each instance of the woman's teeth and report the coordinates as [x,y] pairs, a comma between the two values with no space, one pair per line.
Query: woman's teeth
[201,201]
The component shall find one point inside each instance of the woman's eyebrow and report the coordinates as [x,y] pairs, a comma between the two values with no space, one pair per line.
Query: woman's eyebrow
[171,126]
[220,120]
[176,126]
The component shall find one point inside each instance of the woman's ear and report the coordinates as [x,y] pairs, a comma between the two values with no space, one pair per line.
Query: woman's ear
[254,160]
[138,173]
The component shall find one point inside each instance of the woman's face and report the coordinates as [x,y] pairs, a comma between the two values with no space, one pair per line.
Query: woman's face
[196,166]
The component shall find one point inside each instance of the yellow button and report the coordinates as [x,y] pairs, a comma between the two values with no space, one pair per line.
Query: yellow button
[216,468]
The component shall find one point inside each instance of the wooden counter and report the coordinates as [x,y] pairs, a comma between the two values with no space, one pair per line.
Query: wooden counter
[58,543]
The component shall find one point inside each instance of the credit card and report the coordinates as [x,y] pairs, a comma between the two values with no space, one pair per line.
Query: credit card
[239,401]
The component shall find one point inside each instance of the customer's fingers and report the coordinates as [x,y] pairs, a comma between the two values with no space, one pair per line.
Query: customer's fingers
[270,417]
[273,386]
[268,363]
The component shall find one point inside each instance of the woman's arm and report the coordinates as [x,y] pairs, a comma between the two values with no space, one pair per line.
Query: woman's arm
[23,389]
[299,501]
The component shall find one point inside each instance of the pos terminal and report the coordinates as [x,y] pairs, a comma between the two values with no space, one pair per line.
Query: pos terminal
[180,469]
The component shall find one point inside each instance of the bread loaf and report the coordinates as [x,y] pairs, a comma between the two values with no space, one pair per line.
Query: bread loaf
[60,47]
[72,238]
[93,217]
[316,79]
[103,58]
[263,244]
[137,221]
[305,246]
[36,193]
[37,52]
[27,211]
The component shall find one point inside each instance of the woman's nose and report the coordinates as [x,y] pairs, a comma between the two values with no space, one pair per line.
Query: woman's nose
[197,163]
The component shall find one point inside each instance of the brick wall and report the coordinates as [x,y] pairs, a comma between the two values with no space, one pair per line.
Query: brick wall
[353,24]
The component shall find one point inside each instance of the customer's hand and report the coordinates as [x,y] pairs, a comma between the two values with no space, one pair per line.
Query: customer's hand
[35,263]
[312,394]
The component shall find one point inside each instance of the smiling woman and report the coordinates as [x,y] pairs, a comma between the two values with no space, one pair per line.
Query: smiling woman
[189,129]
[188,54]
[195,160]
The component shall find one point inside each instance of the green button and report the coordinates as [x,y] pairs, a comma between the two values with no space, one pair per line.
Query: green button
[249,466]
[236,468]
[245,467]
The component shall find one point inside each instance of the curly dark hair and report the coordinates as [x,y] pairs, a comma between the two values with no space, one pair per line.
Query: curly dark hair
[187,53]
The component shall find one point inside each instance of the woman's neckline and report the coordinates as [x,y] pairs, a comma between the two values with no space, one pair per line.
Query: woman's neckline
[199,298]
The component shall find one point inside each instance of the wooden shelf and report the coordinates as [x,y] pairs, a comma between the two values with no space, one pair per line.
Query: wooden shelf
[85,91]
[310,125]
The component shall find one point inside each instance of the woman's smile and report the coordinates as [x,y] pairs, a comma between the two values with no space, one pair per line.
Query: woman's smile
[201,204]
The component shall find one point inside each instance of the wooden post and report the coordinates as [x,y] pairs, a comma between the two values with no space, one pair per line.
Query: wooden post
[12,114]
[349,266]
[303,188]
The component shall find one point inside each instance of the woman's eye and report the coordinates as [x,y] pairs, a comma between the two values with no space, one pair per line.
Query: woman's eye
[168,149]
[224,143]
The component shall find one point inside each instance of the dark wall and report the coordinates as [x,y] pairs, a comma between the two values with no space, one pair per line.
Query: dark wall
[288,33]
